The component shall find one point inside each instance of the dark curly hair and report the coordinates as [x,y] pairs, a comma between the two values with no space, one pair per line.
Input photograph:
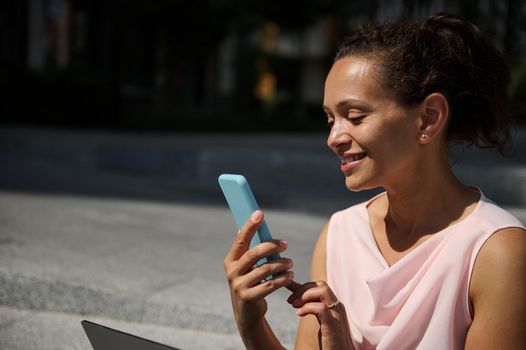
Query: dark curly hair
[442,53]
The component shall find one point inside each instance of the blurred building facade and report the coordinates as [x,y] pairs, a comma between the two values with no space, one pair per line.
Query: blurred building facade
[207,64]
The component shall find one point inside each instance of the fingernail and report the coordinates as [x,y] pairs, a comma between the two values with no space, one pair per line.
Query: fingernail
[298,312]
[284,244]
[256,216]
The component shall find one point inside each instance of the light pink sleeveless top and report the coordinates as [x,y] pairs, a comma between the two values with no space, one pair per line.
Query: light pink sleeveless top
[421,302]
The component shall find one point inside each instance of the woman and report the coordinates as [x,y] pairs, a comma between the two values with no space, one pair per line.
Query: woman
[430,263]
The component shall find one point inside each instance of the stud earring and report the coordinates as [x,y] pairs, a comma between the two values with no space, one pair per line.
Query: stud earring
[423,136]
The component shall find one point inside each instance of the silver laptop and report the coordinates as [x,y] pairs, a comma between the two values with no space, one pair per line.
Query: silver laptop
[106,338]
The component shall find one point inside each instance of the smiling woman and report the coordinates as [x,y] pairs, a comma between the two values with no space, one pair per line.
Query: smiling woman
[365,123]
[430,263]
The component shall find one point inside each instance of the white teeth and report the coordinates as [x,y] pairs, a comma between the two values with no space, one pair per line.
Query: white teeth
[353,158]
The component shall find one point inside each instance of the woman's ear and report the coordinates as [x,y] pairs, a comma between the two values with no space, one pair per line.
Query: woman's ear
[433,118]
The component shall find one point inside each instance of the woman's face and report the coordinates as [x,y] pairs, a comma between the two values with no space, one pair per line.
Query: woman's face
[372,134]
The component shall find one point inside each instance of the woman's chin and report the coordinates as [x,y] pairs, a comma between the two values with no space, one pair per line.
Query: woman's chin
[355,185]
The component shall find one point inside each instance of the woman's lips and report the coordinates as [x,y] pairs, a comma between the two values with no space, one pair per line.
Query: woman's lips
[350,162]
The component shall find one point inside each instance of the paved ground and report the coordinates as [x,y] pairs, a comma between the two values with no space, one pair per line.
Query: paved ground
[125,240]
[156,266]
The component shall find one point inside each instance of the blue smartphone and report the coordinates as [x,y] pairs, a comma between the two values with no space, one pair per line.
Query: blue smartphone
[242,204]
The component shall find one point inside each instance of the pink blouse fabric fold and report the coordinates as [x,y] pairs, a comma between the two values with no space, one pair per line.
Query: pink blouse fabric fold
[421,302]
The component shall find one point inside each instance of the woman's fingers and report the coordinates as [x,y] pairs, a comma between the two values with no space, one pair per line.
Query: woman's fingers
[317,291]
[316,298]
[242,241]
[319,309]
[240,247]
[245,278]
[260,273]
[272,268]
[299,291]
[262,250]
[264,288]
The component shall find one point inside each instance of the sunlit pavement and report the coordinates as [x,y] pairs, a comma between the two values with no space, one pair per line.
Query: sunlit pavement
[131,242]
[156,266]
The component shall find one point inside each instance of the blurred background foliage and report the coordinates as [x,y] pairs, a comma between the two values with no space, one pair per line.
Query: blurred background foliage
[202,65]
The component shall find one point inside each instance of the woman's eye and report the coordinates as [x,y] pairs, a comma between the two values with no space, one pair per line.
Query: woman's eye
[356,119]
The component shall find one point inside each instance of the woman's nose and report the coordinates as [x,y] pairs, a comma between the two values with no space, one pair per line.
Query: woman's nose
[338,136]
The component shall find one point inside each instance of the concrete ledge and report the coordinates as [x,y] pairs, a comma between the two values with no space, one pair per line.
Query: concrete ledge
[505,184]
[286,169]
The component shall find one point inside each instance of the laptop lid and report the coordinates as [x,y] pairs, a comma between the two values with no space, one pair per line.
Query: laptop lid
[106,338]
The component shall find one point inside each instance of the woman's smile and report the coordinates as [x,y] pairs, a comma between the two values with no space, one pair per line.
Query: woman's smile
[350,161]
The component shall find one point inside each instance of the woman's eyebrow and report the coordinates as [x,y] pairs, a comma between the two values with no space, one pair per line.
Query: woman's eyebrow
[349,102]
[353,102]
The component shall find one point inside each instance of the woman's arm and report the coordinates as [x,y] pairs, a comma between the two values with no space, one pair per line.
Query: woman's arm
[498,293]
[324,320]
[307,335]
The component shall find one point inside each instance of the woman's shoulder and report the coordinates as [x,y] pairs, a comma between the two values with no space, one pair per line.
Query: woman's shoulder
[494,215]
[506,246]
[501,262]
[503,254]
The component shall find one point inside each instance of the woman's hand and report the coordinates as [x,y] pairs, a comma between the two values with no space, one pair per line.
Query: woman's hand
[316,298]
[247,287]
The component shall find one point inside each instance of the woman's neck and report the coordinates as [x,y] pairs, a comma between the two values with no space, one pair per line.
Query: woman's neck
[433,201]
